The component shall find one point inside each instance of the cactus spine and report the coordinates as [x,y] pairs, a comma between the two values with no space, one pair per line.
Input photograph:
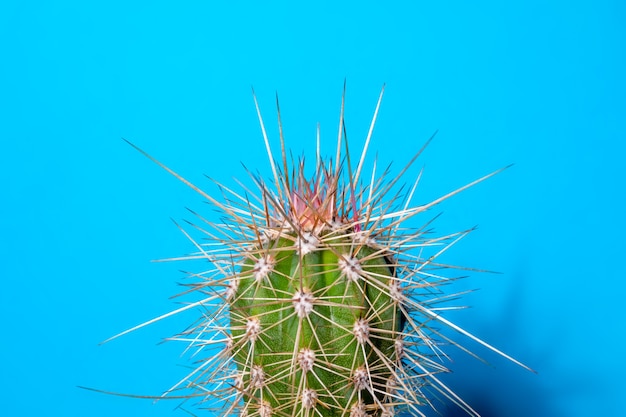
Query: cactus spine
[320,302]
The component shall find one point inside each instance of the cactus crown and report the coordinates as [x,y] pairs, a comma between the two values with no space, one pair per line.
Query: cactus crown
[320,302]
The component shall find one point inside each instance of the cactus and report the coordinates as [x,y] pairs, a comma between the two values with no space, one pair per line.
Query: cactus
[320,301]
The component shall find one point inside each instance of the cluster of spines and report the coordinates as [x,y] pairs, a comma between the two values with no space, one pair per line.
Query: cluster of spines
[358,225]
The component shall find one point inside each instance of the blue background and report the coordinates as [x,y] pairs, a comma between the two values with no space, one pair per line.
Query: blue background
[535,83]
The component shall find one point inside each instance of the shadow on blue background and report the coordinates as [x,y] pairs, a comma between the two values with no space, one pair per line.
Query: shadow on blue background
[539,84]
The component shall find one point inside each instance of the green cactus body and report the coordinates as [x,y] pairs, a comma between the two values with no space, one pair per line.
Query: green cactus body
[314,325]
[320,301]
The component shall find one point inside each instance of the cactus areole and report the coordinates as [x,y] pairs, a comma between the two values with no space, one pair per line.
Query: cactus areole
[321,299]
